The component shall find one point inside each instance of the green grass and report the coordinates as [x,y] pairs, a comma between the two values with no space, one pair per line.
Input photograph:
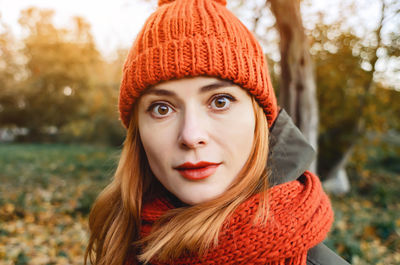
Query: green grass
[45,197]
[62,170]
[367,220]
[36,164]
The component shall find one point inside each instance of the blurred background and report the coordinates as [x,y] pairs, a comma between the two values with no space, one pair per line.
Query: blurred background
[60,134]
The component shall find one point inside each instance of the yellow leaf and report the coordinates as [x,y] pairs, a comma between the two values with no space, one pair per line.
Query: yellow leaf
[370,231]
[9,208]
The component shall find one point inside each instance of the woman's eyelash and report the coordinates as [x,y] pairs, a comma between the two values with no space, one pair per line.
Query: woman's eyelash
[154,104]
[231,98]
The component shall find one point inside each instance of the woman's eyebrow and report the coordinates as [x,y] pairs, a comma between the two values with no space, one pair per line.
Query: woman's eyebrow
[217,85]
[165,92]
[159,92]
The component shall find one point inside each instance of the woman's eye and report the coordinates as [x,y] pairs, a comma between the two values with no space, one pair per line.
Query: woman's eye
[221,102]
[160,110]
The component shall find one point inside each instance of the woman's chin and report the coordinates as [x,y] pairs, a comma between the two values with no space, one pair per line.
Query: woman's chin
[196,197]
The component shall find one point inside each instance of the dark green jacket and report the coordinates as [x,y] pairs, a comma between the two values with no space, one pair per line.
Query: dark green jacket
[290,155]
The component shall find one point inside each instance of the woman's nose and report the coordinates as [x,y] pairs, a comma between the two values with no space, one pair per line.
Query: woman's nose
[193,131]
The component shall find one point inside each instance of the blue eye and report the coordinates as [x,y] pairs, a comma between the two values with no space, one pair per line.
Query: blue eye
[221,102]
[160,110]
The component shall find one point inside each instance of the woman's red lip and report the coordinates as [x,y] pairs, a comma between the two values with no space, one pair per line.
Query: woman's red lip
[197,171]
[189,165]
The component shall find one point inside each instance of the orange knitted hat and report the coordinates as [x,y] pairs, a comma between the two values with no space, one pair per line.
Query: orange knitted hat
[193,38]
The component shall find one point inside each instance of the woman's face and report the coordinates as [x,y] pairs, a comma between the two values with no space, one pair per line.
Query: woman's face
[197,134]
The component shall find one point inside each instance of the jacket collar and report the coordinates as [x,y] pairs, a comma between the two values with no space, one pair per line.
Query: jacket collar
[289,152]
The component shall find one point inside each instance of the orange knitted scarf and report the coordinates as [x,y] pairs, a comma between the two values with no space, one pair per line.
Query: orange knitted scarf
[300,216]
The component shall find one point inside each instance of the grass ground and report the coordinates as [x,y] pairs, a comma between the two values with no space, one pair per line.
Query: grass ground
[46,192]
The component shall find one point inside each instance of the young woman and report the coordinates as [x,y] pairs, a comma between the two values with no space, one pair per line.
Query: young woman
[211,171]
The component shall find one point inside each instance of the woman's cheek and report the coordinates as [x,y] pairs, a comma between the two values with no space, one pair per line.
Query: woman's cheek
[158,139]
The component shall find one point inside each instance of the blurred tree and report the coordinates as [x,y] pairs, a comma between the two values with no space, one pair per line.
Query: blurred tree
[10,73]
[99,118]
[55,83]
[59,64]
[297,83]
[340,80]
[354,102]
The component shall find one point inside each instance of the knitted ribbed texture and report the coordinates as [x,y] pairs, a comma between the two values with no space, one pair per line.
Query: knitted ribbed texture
[300,216]
[192,38]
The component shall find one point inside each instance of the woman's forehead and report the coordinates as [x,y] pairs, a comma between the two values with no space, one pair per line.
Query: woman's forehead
[200,84]
[195,81]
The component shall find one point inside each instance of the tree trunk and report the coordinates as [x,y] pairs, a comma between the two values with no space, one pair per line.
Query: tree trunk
[337,181]
[298,86]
